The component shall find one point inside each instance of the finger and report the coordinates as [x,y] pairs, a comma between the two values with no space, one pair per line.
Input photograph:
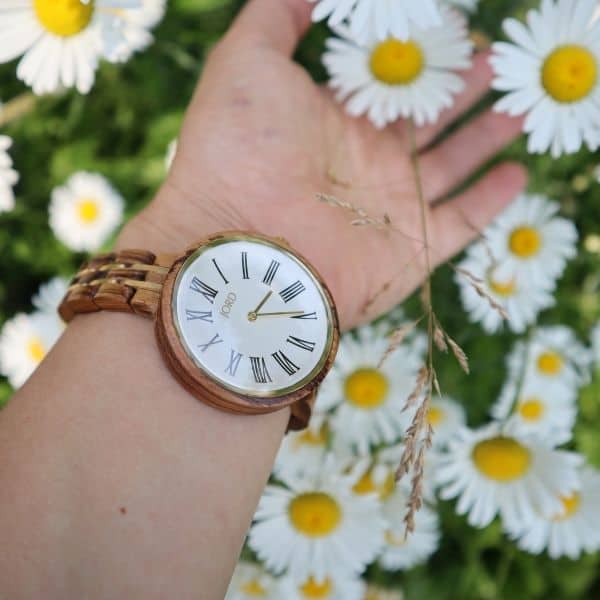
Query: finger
[278,24]
[462,219]
[477,85]
[455,159]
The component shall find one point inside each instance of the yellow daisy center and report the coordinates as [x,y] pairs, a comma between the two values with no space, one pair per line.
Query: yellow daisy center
[550,363]
[501,459]
[394,539]
[63,17]
[88,210]
[366,388]
[367,485]
[36,349]
[313,590]
[531,409]
[525,242]
[313,438]
[435,415]
[569,73]
[253,588]
[570,504]
[315,514]
[397,63]
[501,288]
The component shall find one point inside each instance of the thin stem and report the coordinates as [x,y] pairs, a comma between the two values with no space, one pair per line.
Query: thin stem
[427,296]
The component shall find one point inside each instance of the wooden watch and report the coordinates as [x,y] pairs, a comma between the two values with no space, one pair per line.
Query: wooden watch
[243,322]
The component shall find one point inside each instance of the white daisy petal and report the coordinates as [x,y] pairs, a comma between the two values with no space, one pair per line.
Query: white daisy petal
[571,530]
[24,342]
[251,581]
[61,41]
[495,472]
[551,72]
[8,176]
[410,76]
[85,211]
[317,527]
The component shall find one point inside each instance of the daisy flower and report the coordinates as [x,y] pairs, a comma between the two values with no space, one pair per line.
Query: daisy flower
[551,73]
[377,472]
[375,592]
[493,472]
[522,302]
[403,551]
[379,19]
[8,176]
[571,530]
[251,581]
[61,41]
[24,342]
[368,400]
[392,78]
[303,451]
[446,416]
[342,588]
[531,242]
[136,24]
[85,211]
[553,356]
[50,295]
[317,527]
[536,409]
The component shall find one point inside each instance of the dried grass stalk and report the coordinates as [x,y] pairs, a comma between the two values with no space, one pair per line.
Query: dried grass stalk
[397,337]
[459,354]
[363,219]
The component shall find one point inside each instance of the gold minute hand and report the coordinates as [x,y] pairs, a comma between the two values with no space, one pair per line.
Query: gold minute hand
[281,314]
[253,313]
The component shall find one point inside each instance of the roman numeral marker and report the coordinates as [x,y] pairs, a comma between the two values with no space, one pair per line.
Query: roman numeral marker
[312,316]
[271,271]
[194,315]
[285,363]
[213,342]
[245,266]
[202,288]
[259,369]
[291,291]
[300,343]
[234,362]
[219,270]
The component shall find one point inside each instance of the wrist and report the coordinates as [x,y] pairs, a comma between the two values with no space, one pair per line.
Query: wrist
[174,220]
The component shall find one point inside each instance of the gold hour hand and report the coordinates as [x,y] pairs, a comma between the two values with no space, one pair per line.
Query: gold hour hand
[253,313]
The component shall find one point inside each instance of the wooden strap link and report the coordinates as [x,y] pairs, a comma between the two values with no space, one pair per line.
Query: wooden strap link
[126,281]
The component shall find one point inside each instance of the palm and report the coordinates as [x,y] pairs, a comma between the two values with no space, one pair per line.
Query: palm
[269,140]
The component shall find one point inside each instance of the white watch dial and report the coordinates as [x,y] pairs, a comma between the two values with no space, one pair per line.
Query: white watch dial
[252,316]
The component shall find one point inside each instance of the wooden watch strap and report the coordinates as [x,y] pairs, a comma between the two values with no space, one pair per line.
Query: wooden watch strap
[126,281]
[132,281]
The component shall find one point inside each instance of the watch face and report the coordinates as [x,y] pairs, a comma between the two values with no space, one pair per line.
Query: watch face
[252,316]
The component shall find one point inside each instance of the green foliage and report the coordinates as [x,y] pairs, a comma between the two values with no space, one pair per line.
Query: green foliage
[122,130]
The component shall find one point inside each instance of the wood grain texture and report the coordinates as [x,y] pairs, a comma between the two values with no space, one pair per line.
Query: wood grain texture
[139,282]
[200,384]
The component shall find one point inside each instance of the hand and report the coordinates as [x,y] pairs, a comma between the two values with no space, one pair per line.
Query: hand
[260,140]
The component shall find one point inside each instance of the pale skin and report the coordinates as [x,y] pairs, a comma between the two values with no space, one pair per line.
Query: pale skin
[115,482]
